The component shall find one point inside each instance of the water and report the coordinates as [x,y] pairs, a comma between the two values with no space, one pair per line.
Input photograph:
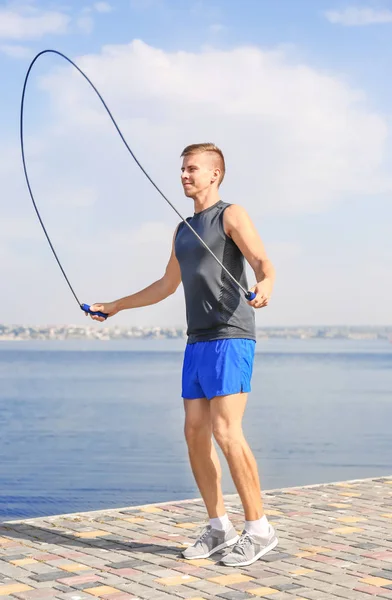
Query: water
[92,425]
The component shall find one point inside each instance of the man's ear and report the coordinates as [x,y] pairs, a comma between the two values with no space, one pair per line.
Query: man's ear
[216,174]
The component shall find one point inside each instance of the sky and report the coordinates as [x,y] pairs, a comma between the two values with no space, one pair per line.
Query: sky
[297,94]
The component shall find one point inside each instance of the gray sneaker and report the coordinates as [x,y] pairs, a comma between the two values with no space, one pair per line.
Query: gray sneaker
[211,541]
[250,548]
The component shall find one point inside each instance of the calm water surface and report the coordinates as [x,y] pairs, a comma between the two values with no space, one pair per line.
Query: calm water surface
[91,425]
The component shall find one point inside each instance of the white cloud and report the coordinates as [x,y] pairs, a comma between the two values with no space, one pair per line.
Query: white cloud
[103,7]
[15,51]
[29,23]
[296,141]
[355,16]
[297,137]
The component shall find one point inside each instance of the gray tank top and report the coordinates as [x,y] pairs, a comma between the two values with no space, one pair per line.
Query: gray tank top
[215,306]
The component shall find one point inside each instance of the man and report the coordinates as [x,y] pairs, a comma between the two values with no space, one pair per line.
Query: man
[219,354]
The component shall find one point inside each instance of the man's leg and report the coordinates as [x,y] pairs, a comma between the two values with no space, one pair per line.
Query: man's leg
[226,417]
[220,533]
[259,536]
[203,456]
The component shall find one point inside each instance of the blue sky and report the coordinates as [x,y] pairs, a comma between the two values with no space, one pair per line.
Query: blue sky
[297,94]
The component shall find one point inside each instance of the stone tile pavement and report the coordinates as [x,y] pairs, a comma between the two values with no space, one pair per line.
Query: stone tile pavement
[335,541]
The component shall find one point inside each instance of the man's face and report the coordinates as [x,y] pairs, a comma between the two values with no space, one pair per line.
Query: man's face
[198,173]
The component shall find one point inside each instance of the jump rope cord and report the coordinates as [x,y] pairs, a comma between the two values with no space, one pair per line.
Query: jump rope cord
[248,295]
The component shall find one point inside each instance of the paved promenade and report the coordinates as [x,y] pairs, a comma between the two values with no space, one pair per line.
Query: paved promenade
[335,541]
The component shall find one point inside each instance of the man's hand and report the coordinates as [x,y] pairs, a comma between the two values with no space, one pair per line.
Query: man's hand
[263,291]
[110,308]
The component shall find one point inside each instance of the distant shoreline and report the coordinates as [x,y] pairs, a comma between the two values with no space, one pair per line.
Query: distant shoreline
[24,333]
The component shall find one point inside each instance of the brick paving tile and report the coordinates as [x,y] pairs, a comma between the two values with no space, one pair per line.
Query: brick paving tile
[335,541]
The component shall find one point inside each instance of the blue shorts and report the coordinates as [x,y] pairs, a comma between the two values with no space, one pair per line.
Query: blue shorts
[217,368]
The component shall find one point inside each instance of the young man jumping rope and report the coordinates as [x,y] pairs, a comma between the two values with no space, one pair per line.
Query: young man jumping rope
[219,354]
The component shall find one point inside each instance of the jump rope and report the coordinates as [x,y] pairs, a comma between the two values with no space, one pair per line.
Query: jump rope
[86,307]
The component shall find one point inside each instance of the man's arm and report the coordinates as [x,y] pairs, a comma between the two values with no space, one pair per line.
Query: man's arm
[157,291]
[239,227]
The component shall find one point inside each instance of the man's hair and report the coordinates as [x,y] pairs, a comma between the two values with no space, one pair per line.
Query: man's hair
[198,148]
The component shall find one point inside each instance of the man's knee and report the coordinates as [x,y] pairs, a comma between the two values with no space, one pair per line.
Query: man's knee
[196,430]
[226,435]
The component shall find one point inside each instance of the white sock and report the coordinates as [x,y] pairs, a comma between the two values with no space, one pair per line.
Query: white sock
[221,523]
[259,527]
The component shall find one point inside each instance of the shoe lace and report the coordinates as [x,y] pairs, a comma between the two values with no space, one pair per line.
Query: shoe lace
[205,533]
[244,540]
